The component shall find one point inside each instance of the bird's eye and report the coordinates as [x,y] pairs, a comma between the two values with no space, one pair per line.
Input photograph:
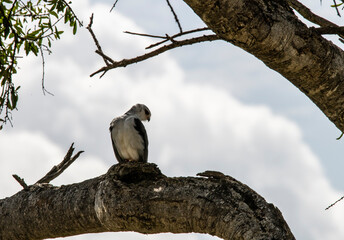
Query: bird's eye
[147,112]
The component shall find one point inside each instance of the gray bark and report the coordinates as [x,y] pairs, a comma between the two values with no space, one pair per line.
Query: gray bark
[137,197]
[272,32]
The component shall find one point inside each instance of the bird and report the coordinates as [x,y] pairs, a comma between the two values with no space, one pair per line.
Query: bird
[129,136]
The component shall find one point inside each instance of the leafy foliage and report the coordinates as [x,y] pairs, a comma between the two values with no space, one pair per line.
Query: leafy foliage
[30,26]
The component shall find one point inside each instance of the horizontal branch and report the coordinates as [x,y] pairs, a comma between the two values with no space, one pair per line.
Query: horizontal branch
[138,197]
[175,44]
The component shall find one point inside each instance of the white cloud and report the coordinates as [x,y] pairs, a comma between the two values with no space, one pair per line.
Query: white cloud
[194,127]
[31,155]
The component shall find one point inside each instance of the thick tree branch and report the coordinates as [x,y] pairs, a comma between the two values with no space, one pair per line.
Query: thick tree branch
[272,32]
[137,197]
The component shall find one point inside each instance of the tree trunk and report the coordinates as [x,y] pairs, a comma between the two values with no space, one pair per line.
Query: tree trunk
[272,32]
[137,197]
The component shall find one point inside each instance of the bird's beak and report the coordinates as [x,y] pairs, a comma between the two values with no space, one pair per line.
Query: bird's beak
[148,119]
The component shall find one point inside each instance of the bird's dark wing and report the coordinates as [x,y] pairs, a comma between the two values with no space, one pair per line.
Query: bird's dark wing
[142,132]
[119,158]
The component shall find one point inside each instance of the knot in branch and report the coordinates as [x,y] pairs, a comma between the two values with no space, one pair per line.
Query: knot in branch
[134,172]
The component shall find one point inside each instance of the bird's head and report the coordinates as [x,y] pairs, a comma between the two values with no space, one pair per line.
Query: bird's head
[141,111]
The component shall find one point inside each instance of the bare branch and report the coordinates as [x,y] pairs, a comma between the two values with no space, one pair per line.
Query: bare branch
[175,44]
[20,181]
[178,35]
[106,59]
[43,72]
[340,199]
[310,16]
[166,37]
[175,16]
[330,30]
[145,35]
[114,5]
[336,6]
[57,170]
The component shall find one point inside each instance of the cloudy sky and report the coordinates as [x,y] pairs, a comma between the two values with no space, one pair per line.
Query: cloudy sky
[214,107]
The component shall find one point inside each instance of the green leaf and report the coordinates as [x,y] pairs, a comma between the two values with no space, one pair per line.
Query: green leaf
[337,5]
[75,27]
[8,104]
[66,16]
[14,98]
[54,14]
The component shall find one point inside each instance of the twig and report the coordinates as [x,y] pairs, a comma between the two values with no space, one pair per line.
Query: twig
[144,35]
[335,5]
[114,5]
[43,72]
[341,135]
[340,199]
[106,59]
[175,44]
[175,16]
[310,16]
[20,181]
[74,15]
[57,170]
[167,37]
[178,35]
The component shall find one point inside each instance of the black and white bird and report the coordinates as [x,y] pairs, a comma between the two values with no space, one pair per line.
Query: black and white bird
[129,136]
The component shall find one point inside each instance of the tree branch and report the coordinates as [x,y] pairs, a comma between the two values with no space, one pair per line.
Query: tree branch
[175,44]
[106,59]
[138,197]
[340,199]
[310,16]
[57,170]
[330,30]
[175,16]
[20,181]
[279,39]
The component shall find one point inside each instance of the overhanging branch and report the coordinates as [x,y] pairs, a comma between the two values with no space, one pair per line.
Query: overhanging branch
[174,44]
[312,17]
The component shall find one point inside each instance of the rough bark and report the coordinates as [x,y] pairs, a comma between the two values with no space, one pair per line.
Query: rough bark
[137,197]
[272,32]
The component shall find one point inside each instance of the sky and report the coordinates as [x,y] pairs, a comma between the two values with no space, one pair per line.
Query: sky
[214,107]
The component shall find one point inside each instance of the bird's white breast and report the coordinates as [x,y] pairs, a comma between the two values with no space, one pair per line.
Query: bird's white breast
[128,141]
